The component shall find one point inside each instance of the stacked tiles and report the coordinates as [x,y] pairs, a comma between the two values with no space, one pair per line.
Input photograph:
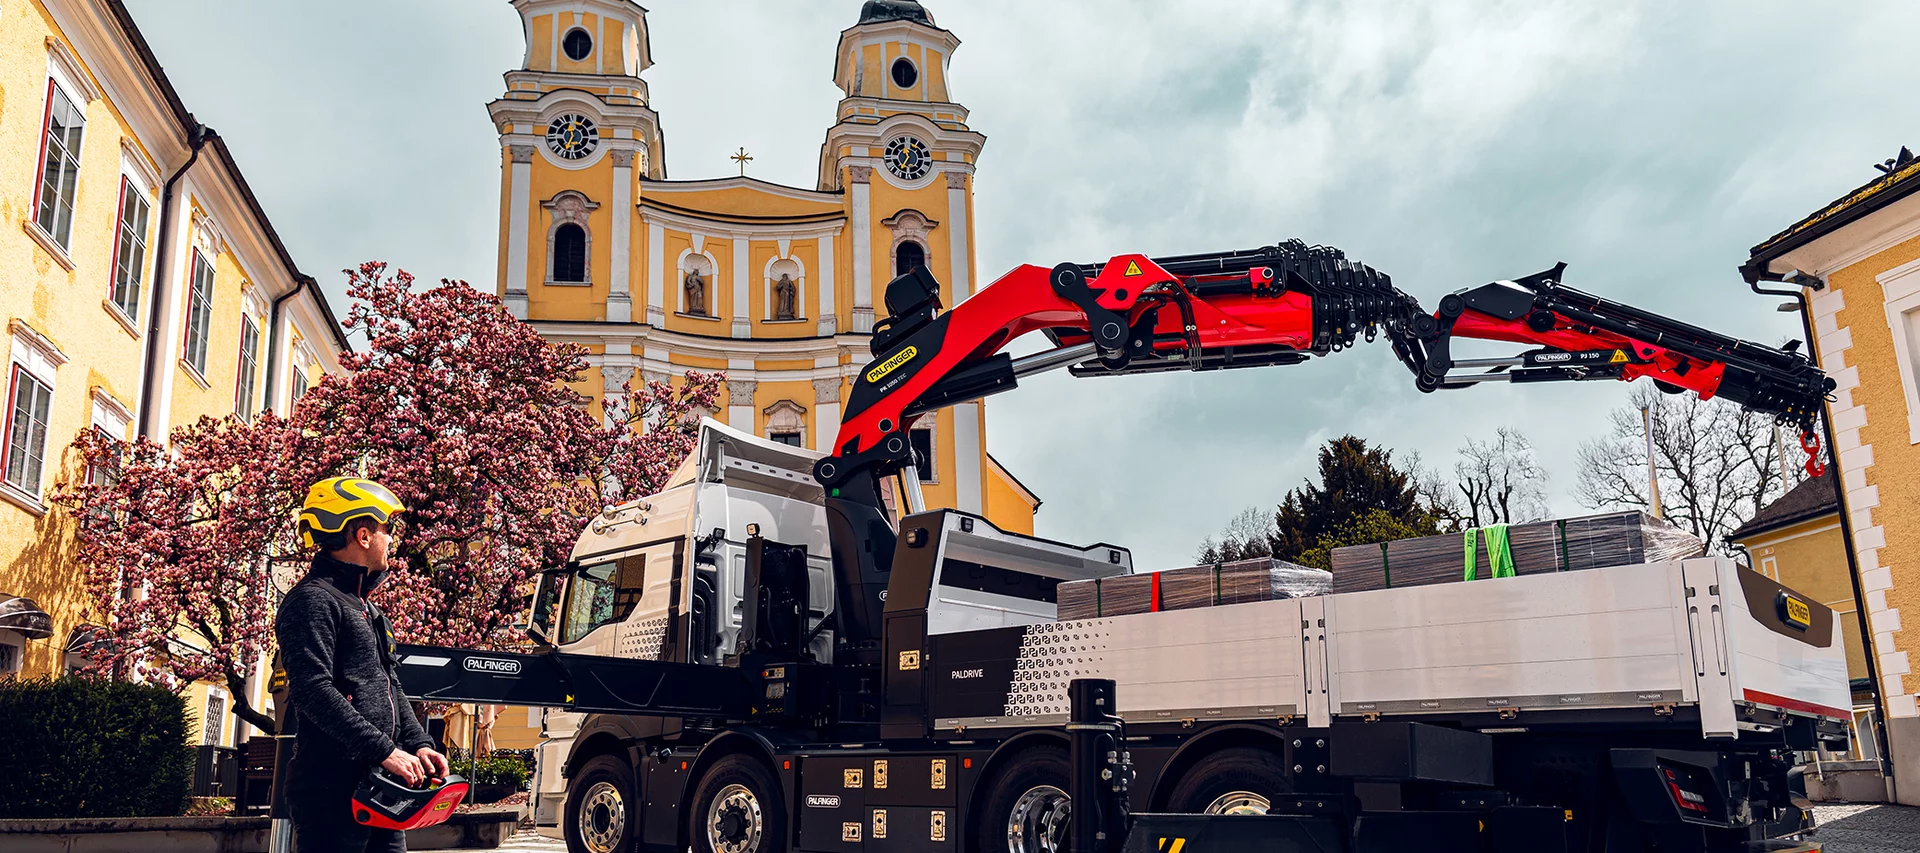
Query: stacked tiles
[1195,586]
[1558,545]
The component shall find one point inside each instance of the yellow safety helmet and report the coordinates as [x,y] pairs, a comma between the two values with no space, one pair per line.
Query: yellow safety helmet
[333,502]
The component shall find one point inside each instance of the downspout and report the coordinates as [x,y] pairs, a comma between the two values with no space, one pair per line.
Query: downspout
[1839,500]
[196,138]
[273,336]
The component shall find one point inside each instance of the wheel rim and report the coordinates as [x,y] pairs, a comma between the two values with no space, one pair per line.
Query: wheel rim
[1239,802]
[603,818]
[734,821]
[1038,821]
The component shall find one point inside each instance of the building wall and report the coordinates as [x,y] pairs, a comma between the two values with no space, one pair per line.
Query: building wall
[57,304]
[1811,558]
[61,295]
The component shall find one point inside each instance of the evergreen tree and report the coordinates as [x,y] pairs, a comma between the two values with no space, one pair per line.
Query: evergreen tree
[1355,480]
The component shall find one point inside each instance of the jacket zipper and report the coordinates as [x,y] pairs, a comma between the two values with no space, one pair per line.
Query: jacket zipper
[393,707]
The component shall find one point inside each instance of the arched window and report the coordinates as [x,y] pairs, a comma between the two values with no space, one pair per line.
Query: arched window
[569,238]
[569,253]
[908,256]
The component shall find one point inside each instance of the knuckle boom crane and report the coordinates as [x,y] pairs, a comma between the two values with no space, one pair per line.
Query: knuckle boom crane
[755,660]
[1275,305]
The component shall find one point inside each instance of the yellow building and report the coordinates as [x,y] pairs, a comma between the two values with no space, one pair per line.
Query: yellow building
[1856,262]
[1796,540]
[772,284]
[143,287]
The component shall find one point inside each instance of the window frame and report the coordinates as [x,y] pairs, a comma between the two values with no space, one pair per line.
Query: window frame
[246,380]
[122,234]
[113,422]
[1900,288]
[16,372]
[558,273]
[77,106]
[201,302]
[931,476]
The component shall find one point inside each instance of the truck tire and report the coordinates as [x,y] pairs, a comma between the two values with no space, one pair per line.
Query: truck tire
[1025,807]
[1240,780]
[737,809]
[603,809]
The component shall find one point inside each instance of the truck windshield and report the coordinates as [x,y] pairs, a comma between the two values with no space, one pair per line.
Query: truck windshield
[601,594]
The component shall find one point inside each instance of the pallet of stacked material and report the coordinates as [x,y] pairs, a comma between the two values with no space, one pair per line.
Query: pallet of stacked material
[1558,545]
[1240,582]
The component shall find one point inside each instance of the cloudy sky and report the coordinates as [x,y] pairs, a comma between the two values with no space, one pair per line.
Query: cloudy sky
[1647,144]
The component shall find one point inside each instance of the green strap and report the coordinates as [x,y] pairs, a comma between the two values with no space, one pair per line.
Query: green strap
[1473,549]
[1499,551]
[1560,526]
[1386,574]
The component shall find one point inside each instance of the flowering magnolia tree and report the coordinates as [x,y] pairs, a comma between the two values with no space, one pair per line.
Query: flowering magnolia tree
[462,410]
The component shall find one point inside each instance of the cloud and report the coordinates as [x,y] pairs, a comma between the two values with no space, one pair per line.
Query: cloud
[1450,143]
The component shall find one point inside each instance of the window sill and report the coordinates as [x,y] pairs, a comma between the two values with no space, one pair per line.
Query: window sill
[125,321]
[785,322]
[696,316]
[552,283]
[47,242]
[20,498]
[193,373]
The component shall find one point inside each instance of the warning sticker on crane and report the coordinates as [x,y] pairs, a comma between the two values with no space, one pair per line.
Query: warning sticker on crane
[1133,269]
[1619,357]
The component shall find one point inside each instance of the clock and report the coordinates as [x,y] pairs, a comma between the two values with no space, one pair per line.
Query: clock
[572,136]
[908,158]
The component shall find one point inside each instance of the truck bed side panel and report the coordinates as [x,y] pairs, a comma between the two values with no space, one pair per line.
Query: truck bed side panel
[1611,637]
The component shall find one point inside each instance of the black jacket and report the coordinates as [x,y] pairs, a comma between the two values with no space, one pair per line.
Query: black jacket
[338,653]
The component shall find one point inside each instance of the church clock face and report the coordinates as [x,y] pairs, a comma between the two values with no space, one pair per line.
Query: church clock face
[572,136]
[908,158]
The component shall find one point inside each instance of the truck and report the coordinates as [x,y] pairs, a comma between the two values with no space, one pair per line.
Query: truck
[763,656]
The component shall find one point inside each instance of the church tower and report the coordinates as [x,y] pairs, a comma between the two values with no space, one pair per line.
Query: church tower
[774,285]
[902,153]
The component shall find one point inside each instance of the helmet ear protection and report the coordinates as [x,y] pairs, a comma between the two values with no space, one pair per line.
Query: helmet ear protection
[385,802]
[333,502]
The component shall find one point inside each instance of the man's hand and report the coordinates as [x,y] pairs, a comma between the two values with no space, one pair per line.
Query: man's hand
[406,767]
[436,764]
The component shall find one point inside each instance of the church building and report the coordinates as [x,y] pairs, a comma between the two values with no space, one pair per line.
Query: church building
[775,285]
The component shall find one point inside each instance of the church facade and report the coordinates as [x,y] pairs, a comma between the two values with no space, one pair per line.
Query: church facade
[774,285]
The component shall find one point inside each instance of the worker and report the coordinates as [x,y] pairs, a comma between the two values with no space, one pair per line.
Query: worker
[338,650]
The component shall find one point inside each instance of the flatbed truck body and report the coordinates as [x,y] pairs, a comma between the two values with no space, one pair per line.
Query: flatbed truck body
[717,681]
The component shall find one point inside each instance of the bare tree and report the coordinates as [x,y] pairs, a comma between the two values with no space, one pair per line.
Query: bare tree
[1433,490]
[1718,463]
[1245,536]
[1501,480]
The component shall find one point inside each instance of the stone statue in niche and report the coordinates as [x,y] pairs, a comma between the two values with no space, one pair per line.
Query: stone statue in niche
[786,298]
[695,299]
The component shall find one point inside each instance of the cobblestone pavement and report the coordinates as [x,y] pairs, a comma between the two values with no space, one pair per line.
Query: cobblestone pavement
[524,841]
[1868,829]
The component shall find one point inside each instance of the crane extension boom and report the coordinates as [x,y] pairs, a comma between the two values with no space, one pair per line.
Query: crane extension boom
[1271,306]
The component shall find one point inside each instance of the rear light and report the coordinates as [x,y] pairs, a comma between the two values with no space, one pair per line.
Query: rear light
[1687,800]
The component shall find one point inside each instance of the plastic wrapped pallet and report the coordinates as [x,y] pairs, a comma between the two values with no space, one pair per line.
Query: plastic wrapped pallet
[1569,544]
[1194,586]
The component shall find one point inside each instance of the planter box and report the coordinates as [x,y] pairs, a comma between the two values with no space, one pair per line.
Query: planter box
[482,828]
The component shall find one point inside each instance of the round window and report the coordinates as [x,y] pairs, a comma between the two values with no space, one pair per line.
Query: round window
[577,44]
[904,74]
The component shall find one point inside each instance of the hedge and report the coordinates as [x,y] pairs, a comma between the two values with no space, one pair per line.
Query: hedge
[84,747]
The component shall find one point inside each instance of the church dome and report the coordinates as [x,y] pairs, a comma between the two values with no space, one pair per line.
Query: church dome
[877,11]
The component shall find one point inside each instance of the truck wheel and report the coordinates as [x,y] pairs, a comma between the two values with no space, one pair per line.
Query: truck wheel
[1241,780]
[602,815]
[737,809]
[1025,809]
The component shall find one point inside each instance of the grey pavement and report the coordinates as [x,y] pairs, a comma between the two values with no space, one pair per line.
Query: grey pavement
[1868,829]
[1842,829]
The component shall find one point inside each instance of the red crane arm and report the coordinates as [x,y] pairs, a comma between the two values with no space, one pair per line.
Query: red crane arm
[1276,305]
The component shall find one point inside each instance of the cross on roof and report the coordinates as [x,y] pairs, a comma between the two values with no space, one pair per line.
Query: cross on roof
[743,158]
